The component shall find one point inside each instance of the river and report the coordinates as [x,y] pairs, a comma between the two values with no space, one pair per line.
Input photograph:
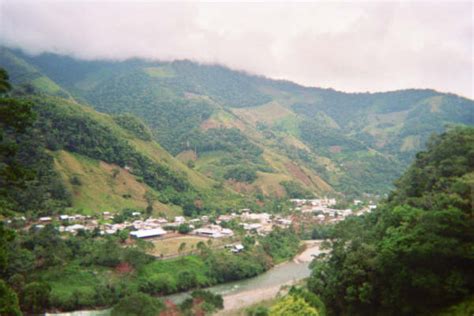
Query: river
[246,292]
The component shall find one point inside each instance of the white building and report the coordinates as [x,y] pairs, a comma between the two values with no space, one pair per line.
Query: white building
[208,232]
[179,219]
[147,233]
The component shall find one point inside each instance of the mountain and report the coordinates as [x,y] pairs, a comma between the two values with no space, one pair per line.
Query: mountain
[75,157]
[254,134]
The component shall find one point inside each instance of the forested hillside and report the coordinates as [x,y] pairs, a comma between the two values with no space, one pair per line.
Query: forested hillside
[221,121]
[74,157]
[413,255]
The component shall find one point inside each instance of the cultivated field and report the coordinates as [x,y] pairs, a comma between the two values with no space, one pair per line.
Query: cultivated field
[169,247]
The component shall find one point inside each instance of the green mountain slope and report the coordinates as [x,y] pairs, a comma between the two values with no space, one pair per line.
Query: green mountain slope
[92,162]
[223,121]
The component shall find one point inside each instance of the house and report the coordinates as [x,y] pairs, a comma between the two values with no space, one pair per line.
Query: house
[107,215]
[227,232]
[224,218]
[254,226]
[208,232]
[321,217]
[161,220]
[261,217]
[179,219]
[284,222]
[147,233]
[74,228]
[237,248]
[79,217]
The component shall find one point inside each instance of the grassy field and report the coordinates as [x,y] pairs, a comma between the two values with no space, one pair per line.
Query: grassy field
[170,246]
[46,85]
[268,113]
[99,190]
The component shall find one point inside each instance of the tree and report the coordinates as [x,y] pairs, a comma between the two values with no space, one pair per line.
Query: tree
[257,311]
[393,260]
[150,199]
[4,84]
[8,299]
[291,305]
[35,297]
[15,117]
[181,248]
[187,280]
[138,304]
[184,228]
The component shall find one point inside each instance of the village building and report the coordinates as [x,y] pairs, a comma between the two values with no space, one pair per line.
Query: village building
[179,219]
[237,248]
[148,233]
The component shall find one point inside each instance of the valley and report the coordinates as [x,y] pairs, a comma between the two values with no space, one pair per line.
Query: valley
[178,188]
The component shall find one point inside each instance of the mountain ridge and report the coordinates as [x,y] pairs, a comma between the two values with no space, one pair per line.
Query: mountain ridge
[355,142]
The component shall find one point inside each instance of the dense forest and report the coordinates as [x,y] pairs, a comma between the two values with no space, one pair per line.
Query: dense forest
[413,255]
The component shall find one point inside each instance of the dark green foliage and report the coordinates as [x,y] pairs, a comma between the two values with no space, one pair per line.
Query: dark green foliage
[241,174]
[161,283]
[15,117]
[4,84]
[439,178]
[225,266]
[281,244]
[134,125]
[210,298]
[69,128]
[257,311]
[410,256]
[75,180]
[295,190]
[206,301]
[225,139]
[35,297]
[186,280]
[138,304]
[309,298]
[184,229]
[8,300]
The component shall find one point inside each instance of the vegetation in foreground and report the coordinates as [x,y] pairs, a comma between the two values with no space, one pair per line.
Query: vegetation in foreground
[47,272]
[412,256]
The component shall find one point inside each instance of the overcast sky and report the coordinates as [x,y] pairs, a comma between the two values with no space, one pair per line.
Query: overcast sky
[352,46]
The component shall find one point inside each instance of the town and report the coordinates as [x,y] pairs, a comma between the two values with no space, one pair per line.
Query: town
[192,230]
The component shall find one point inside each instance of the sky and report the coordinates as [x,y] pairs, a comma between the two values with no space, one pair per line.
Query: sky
[349,46]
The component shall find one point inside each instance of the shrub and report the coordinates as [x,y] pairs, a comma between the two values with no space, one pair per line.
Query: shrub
[138,304]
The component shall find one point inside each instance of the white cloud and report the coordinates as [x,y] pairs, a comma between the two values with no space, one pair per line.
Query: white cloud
[347,46]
